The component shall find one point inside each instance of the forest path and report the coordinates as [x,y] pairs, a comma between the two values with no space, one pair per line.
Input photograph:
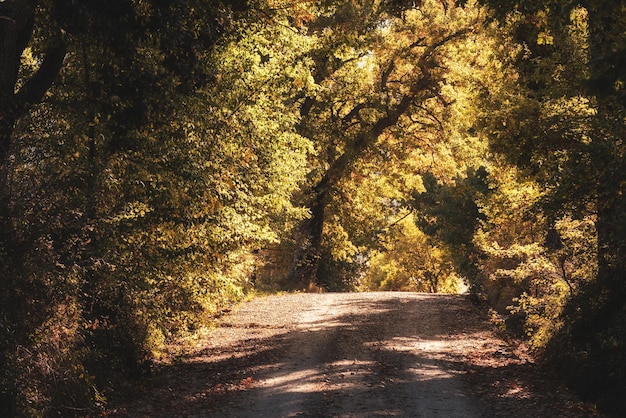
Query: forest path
[352,355]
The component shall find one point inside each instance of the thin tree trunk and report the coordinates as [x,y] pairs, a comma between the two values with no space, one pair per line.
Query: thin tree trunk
[304,268]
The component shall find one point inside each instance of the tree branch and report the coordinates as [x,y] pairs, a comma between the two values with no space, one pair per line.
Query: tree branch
[386,74]
[353,113]
[34,89]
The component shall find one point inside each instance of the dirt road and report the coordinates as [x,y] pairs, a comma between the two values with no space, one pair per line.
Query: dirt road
[352,355]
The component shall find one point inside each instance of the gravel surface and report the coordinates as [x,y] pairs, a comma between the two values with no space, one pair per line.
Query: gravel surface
[352,355]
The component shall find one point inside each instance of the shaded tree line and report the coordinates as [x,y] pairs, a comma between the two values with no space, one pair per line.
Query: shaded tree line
[159,159]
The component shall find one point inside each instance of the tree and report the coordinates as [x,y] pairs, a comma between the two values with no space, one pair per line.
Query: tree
[410,261]
[377,78]
[137,191]
[565,126]
[17,19]
[450,213]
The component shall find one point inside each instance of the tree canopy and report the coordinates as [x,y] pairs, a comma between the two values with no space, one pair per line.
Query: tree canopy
[161,159]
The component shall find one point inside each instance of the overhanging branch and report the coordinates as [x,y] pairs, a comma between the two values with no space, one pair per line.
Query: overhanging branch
[36,87]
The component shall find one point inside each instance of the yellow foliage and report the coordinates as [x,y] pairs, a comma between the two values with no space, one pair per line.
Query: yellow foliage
[409,262]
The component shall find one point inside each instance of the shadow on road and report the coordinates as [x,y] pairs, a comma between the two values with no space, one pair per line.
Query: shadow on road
[352,356]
